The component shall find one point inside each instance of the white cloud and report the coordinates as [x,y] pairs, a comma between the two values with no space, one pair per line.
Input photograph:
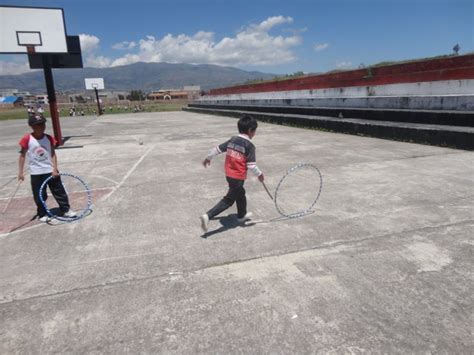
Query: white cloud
[90,47]
[125,45]
[252,45]
[271,22]
[127,59]
[89,43]
[13,68]
[318,47]
[343,65]
[97,61]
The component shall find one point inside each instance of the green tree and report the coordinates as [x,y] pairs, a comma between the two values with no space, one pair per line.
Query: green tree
[137,95]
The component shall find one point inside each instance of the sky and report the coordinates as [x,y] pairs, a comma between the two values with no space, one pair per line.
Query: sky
[272,36]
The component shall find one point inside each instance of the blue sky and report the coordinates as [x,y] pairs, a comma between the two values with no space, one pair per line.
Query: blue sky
[270,36]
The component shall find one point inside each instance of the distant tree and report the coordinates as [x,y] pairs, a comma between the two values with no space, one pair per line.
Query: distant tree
[297,73]
[80,99]
[136,95]
[121,97]
[456,49]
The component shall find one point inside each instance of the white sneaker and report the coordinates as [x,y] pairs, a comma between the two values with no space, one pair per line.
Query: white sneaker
[247,216]
[70,214]
[44,219]
[204,222]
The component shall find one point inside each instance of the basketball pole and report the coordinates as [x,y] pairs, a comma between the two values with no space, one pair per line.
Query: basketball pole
[53,107]
[98,102]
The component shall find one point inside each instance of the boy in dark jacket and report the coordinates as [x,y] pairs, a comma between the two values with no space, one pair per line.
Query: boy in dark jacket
[240,157]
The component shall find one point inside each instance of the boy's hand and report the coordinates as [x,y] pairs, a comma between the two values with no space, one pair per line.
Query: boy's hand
[261,178]
[55,173]
[206,162]
[21,176]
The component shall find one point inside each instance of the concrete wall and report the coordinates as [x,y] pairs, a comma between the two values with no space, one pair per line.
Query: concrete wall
[441,95]
[440,84]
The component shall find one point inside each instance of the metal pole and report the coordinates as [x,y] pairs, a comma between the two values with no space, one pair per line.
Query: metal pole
[98,102]
[53,107]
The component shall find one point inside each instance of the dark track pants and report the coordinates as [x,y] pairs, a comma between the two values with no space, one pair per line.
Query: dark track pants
[236,193]
[57,189]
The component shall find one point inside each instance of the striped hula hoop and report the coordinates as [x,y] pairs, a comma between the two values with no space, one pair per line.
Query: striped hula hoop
[304,211]
[61,218]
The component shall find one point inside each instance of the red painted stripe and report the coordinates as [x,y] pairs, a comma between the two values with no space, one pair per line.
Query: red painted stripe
[452,68]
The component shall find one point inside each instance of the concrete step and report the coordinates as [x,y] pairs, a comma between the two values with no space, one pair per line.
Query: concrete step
[441,135]
[437,117]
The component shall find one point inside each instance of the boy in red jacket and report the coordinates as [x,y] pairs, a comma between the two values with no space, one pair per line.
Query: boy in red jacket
[240,157]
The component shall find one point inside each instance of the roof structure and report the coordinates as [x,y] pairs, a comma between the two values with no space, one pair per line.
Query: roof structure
[10,99]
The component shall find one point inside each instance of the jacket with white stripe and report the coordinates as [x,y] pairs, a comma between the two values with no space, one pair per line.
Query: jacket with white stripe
[240,157]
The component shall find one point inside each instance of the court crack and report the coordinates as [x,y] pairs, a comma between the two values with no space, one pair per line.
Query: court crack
[168,274]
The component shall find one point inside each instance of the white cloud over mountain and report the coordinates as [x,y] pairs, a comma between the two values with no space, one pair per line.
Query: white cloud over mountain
[255,44]
[89,48]
[14,67]
[252,45]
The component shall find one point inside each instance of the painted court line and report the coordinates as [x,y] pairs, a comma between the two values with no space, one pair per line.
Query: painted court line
[128,174]
[22,230]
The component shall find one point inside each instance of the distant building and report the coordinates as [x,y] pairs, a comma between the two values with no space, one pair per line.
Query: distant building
[106,97]
[21,93]
[8,92]
[187,93]
[29,100]
[42,99]
[11,101]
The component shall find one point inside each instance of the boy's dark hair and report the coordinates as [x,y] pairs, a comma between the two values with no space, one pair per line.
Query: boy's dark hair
[247,123]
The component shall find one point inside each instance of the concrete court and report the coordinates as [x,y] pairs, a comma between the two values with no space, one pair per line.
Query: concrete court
[383,266]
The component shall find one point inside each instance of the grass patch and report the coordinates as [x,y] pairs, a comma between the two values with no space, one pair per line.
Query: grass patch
[20,113]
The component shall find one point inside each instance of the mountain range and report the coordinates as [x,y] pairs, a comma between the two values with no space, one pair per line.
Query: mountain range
[138,76]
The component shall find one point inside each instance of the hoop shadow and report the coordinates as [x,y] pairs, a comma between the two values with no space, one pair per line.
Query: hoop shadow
[227,222]
[285,218]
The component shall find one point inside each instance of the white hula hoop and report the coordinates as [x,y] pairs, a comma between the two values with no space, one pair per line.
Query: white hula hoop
[61,218]
[303,211]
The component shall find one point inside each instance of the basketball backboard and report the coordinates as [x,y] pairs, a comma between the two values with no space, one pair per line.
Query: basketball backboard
[71,59]
[32,29]
[94,83]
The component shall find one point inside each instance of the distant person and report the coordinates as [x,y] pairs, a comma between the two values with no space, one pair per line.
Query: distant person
[240,157]
[42,163]
[30,110]
[40,110]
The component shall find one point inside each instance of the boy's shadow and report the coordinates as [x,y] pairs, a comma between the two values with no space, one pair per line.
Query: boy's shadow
[227,222]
